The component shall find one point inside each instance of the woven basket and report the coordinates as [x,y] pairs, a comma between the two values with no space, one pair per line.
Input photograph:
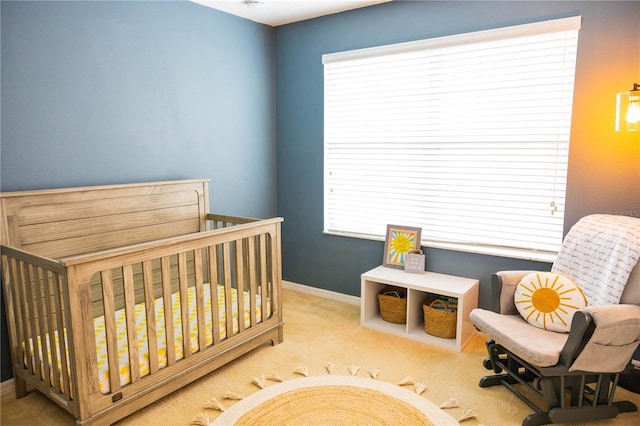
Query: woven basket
[393,304]
[440,322]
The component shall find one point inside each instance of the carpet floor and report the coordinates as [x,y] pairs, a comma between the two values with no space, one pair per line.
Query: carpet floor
[318,331]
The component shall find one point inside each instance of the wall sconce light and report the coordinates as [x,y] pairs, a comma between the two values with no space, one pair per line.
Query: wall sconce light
[628,110]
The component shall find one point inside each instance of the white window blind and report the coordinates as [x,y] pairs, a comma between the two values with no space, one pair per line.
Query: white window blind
[465,136]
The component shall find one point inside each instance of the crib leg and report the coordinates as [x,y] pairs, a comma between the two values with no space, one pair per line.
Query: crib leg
[277,337]
[280,338]
[20,386]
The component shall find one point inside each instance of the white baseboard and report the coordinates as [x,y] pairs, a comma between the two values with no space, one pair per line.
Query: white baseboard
[327,294]
[6,387]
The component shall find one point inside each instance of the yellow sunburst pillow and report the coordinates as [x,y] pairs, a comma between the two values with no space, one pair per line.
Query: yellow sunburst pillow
[547,300]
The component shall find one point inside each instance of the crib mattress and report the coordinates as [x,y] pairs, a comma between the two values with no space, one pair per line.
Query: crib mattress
[141,332]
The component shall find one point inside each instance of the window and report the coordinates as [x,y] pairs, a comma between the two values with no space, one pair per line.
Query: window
[466,136]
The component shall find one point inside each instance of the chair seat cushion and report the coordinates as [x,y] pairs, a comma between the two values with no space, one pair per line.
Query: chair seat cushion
[536,346]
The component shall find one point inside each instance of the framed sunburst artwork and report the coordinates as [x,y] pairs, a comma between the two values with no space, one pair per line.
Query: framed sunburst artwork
[400,240]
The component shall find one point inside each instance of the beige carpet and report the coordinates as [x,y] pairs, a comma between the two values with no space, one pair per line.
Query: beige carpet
[318,331]
[336,400]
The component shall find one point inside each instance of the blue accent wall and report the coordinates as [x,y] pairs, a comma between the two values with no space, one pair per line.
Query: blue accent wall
[604,167]
[112,92]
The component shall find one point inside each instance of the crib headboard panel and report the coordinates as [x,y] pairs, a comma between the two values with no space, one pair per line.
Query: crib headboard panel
[64,222]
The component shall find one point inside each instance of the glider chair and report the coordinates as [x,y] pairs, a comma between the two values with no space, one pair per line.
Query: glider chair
[560,340]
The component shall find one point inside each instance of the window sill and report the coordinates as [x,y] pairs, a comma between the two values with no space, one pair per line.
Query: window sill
[513,253]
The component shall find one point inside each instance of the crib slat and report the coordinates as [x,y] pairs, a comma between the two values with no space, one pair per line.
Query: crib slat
[137,275]
[252,279]
[23,342]
[130,314]
[213,282]
[150,311]
[13,304]
[22,305]
[184,305]
[264,279]
[226,257]
[50,308]
[62,338]
[202,333]
[240,259]
[11,295]
[275,274]
[110,330]
[42,332]
[31,312]
[168,314]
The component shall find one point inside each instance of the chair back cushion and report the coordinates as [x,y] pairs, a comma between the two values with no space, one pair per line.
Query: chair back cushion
[599,253]
[631,293]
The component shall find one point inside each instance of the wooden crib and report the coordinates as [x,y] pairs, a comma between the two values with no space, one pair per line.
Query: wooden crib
[118,295]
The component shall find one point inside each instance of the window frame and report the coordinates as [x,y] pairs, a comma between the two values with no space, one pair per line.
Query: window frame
[551,26]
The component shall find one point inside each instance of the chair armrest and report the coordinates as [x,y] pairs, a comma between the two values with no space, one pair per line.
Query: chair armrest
[503,287]
[582,327]
[602,339]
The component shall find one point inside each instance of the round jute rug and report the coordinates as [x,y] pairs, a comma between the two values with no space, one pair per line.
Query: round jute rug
[334,400]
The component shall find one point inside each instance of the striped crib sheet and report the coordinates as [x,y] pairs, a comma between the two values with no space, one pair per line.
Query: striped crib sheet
[141,332]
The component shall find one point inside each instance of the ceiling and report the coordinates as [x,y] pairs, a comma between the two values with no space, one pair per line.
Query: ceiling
[280,12]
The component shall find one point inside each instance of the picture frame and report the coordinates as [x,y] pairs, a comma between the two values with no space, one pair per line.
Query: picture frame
[399,241]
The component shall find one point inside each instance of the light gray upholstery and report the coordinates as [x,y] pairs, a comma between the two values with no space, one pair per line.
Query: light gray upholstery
[508,280]
[614,340]
[631,293]
[585,363]
[534,345]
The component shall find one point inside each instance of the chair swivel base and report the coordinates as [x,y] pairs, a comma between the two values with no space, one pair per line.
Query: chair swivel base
[567,396]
